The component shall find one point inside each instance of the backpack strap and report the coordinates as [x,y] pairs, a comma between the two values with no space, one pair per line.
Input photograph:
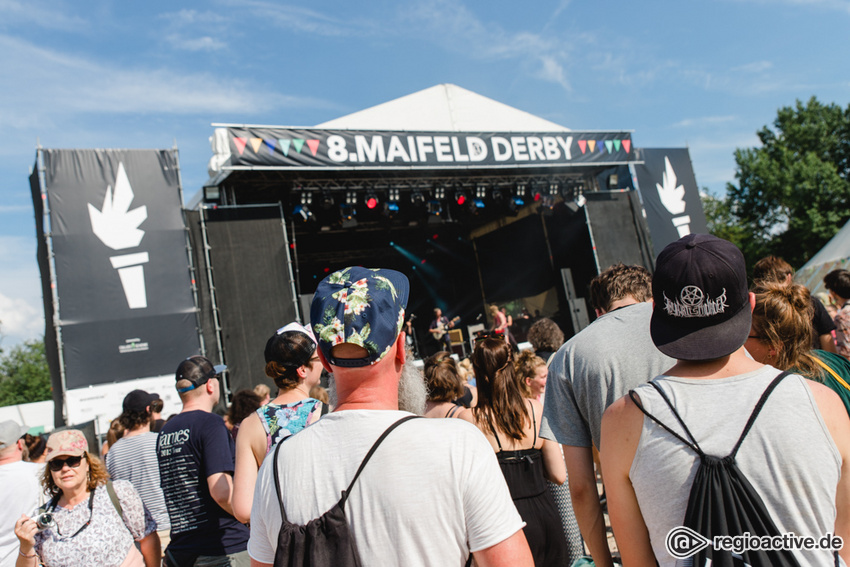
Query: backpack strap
[692,442]
[772,386]
[369,456]
[357,474]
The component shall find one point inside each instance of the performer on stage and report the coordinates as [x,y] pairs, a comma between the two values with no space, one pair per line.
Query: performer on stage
[439,330]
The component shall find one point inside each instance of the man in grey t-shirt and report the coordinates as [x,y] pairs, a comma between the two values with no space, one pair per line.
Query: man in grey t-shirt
[592,370]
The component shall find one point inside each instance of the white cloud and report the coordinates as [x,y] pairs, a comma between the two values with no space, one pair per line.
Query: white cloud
[205,43]
[452,25]
[21,311]
[704,121]
[46,15]
[68,84]
[304,20]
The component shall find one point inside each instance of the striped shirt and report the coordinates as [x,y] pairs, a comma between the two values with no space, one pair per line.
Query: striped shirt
[134,459]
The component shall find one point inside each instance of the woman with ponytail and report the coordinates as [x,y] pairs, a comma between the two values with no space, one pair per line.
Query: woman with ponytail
[293,364]
[512,425]
[781,336]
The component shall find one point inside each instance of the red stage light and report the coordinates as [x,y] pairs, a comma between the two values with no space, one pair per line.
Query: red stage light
[423,261]
[327,270]
[371,203]
[461,199]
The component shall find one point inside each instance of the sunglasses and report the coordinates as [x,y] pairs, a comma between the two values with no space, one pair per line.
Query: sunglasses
[56,465]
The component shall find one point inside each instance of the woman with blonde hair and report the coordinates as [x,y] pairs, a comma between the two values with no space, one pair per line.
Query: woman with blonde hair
[532,373]
[82,525]
[511,424]
[781,336]
[293,363]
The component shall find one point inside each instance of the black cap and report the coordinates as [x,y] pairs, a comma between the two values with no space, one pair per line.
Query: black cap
[702,308]
[197,370]
[138,400]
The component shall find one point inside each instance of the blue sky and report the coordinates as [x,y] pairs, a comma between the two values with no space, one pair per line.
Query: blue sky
[146,74]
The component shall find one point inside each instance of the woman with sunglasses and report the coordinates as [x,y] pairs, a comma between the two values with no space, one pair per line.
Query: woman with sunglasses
[512,425]
[81,524]
[781,336]
[293,363]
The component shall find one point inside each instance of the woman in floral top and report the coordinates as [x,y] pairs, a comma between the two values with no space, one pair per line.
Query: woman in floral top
[293,364]
[86,528]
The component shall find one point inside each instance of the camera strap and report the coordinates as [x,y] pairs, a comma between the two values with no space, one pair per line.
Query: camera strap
[51,507]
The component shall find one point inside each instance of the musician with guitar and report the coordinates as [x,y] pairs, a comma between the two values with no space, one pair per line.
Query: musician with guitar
[439,329]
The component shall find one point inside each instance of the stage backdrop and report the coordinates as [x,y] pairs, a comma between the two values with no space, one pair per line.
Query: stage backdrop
[122,280]
[670,195]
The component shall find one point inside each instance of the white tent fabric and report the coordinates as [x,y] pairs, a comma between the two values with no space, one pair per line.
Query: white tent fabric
[834,255]
[444,108]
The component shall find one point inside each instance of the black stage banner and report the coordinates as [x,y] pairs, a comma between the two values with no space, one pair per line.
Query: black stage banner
[670,195]
[125,303]
[300,148]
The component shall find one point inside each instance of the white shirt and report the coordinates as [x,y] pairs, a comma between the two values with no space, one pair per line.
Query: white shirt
[21,495]
[431,493]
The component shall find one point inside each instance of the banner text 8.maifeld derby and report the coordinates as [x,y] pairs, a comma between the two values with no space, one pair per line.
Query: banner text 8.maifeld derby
[279,147]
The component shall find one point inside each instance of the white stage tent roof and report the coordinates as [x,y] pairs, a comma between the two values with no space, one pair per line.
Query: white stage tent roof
[444,108]
[834,255]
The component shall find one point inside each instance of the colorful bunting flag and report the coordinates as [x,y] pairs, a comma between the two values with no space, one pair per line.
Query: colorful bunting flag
[627,144]
[298,143]
[314,146]
[609,145]
[617,145]
[256,143]
[269,144]
[240,144]
[284,146]
[583,145]
[592,145]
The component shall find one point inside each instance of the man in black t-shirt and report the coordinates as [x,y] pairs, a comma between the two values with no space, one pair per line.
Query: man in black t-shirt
[196,461]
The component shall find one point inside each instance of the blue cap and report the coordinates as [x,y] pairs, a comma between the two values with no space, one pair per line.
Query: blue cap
[359,306]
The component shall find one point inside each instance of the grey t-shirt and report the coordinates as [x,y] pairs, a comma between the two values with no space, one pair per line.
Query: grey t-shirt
[594,369]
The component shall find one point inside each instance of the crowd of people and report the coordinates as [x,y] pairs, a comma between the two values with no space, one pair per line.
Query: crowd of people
[674,372]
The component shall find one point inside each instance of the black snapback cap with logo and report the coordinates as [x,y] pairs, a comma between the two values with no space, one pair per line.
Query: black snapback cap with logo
[702,309]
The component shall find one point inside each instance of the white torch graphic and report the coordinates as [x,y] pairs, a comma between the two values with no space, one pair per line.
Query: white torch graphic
[118,227]
[673,198]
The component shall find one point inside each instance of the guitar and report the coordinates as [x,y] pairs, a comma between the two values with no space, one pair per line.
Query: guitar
[440,330]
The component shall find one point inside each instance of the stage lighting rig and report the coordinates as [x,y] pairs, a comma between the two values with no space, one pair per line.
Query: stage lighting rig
[371,200]
[460,197]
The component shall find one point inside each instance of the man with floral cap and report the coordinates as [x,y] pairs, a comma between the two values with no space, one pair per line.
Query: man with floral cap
[432,493]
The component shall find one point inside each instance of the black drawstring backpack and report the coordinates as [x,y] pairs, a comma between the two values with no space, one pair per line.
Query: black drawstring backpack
[723,502]
[324,541]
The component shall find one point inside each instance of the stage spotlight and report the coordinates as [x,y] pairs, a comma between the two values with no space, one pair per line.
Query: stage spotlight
[480,191]
[520,189]
[439,192]
[392,207]
[460,197]
[351,198]
[435,208]
[498,196]
[371,200]
[304,212]
[554,188]
[394,194]
[479,203]
[327,200]
[306,198]
[417,198]
[348,215]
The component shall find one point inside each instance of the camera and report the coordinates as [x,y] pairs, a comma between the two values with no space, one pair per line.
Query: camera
[43,519]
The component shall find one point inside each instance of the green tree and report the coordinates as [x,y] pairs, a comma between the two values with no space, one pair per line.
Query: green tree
[24,375]
[793,192]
